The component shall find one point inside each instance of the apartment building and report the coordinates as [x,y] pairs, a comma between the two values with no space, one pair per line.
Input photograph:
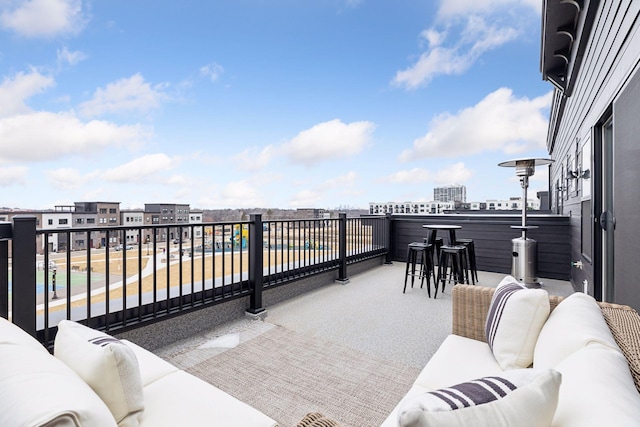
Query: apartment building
[410,208]
[450,193]
[513,204]
[168,213]
[95,214]
[132,218]
[195,217]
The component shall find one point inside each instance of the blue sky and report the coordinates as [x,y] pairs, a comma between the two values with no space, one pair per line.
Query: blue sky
[255,103]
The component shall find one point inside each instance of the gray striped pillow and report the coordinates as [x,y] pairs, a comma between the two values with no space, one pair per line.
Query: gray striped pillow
[516,316]
[489,401]
[496,309]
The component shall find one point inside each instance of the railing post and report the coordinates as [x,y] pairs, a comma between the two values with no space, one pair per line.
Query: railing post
[388,239]
[23,283]
[342,237]
[5,234]
[256,268]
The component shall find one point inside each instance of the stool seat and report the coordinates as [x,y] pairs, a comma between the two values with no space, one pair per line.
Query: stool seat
[426,269]
[456,256]
[471,254]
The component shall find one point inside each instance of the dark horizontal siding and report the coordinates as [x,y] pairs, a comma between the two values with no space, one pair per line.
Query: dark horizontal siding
[492,239]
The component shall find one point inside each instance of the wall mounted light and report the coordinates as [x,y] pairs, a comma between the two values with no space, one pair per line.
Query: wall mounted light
[577,174]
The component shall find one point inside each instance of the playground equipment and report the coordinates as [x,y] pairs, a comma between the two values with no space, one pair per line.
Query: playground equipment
[240,235]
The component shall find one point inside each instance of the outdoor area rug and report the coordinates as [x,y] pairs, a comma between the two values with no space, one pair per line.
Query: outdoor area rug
[287,375]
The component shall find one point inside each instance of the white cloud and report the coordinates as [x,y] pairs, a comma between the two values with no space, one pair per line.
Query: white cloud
[15,175]
[45,136]
[65,56]
[433,37]
[343,181]
[415,175]
[244,194]
[44,18]
[329,140]
[178,180]
[66,178]
[254,159]
[124,95]
[14,91]
[305,199]
[475,39]
[140,169]
[212,71]
[453,8]
[498,122]
[456,172]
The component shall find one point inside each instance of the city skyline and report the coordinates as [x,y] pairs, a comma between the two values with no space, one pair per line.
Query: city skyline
[247,104]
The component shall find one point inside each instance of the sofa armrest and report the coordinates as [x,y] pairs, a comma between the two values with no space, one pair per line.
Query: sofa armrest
[624,323]
[470,305]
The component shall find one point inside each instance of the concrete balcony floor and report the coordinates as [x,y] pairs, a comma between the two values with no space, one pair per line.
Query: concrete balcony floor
[369,336]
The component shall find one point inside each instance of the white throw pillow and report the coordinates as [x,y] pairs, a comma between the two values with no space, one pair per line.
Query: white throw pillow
[36,389]
[516,316]
[519,397]
[597,390]
[573,324]
[107,365]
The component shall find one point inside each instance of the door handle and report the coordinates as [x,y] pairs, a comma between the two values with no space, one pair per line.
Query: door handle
[607,220]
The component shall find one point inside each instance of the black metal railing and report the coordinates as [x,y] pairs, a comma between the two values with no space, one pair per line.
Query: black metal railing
[117,277]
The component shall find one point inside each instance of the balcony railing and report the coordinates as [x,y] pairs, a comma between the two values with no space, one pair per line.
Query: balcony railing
[112,284]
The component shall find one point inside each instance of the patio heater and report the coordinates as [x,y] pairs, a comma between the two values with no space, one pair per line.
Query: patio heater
[524,263]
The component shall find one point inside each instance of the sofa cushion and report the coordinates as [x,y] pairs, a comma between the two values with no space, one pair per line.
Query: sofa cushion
[36,389]
[597,389]
[573,324]
[152,368]
[452,363]
[181,399]
[12,334]
[516,316]
[107,365]
[522,397]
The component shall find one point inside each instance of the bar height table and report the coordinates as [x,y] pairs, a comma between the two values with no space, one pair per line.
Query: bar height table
[434,230]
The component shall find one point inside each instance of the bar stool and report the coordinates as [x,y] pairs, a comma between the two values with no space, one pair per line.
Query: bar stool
[437,242]
[471,253]
[426,265]
[456,256]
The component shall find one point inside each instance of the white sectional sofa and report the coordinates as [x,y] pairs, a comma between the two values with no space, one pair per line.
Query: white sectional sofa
[571,361]
[95,380]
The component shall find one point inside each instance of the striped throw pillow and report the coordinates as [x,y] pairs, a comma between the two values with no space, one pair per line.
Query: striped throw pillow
[107,365]
[522,397]
[514,321]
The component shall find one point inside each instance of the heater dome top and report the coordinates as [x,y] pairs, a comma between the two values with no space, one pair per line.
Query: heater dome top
[525,167]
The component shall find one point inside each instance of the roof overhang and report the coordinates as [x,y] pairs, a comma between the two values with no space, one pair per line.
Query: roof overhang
[566,27]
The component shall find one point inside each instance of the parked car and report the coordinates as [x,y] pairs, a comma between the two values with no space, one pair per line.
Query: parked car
[119,247]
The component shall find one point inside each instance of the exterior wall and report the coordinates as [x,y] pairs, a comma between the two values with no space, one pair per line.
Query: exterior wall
[195,217]
[95,214]
[492,236]
[610,62]
[133,219]
[6,216]
[167,213]
[56,221]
